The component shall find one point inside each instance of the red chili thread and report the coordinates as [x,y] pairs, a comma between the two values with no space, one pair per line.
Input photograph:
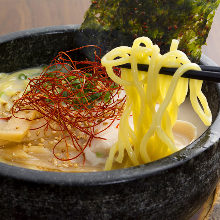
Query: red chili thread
[64,96]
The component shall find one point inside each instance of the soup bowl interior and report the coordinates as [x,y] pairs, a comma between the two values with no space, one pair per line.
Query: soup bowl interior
[171,188]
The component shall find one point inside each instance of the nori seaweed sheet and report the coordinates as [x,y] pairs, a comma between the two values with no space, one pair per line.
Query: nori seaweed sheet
[160,20]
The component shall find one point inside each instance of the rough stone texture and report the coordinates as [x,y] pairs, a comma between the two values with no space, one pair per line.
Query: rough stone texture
[171,188]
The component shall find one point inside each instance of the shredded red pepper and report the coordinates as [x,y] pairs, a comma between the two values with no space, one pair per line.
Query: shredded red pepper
[75,95]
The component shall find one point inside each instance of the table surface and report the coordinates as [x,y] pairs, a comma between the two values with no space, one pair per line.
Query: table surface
[16,15]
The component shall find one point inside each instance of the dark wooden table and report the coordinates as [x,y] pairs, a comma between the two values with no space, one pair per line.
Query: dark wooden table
[16,15]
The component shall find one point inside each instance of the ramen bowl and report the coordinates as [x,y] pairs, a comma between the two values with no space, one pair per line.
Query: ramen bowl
[174,187]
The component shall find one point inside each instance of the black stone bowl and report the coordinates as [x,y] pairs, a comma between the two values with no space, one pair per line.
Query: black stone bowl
[171,188]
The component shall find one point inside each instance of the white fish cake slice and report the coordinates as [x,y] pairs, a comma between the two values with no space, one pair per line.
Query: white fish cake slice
[15,129]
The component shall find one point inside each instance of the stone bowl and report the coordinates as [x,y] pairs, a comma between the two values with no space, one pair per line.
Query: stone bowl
[174,187]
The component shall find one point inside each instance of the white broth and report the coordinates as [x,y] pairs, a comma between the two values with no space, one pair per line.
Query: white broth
[34,148]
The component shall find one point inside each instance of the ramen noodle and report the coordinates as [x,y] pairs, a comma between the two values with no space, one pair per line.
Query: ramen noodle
[151,138]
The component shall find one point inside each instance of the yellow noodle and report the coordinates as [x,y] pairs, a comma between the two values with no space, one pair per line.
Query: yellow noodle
[152,137]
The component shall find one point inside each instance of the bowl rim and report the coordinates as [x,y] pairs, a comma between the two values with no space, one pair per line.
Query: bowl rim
[210,136]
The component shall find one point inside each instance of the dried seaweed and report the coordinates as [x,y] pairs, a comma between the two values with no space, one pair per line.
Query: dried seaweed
[161,20]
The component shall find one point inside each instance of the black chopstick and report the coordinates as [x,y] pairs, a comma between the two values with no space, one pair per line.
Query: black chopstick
[208,73]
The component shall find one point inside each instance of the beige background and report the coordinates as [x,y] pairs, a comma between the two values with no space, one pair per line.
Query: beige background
[18,15]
